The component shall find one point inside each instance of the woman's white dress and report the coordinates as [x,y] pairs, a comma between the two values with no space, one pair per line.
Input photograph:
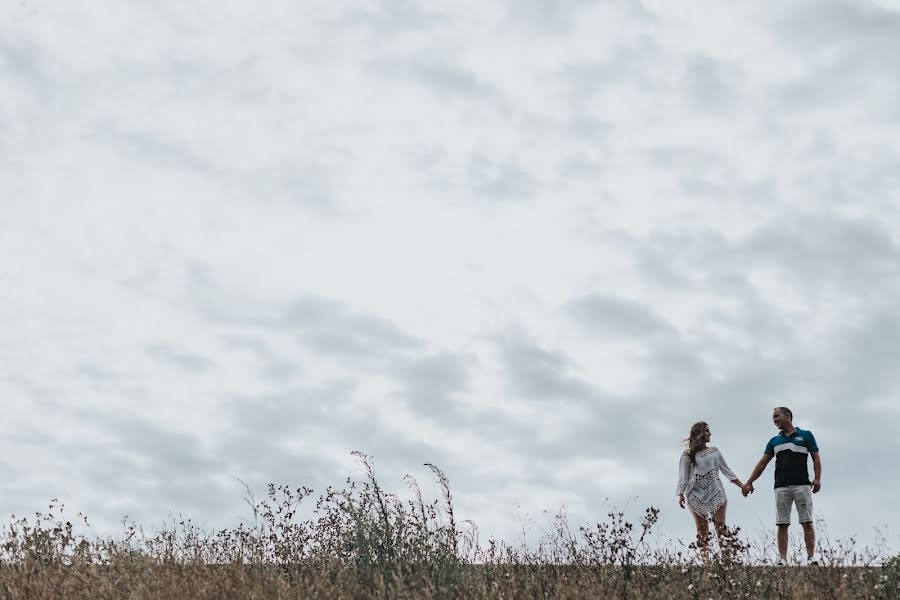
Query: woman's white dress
[700,483]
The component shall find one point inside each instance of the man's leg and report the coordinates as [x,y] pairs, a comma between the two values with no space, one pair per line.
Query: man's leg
[783,540]
[809,536]
[803,499]
[783,503]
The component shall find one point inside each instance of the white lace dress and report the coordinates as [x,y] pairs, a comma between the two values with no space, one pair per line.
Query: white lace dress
[700,482]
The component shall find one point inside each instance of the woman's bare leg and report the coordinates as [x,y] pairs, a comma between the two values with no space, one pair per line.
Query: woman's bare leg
[721,530]
[702,524]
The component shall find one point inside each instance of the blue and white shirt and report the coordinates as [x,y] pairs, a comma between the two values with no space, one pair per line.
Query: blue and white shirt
[791,454]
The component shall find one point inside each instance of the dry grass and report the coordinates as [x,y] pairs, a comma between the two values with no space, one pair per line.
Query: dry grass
[361,542]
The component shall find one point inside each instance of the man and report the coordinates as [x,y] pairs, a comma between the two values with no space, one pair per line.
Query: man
[791,447]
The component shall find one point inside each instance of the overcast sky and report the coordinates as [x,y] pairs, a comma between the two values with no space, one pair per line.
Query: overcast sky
[528,241]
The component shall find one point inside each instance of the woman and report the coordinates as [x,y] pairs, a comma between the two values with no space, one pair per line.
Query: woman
[700,486]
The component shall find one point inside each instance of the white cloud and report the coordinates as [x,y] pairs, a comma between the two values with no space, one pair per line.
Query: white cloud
[529,242]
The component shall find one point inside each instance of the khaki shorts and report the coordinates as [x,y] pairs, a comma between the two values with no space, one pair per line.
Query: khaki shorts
[786,496]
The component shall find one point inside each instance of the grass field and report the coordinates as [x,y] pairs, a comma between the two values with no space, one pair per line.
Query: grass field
[362,542]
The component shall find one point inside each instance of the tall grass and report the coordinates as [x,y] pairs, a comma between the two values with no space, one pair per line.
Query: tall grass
[363,542]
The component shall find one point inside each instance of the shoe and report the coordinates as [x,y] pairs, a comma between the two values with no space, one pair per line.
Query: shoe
[781,562]
[812,561]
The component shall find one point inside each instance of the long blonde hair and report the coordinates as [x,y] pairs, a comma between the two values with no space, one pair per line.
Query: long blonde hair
[695,441]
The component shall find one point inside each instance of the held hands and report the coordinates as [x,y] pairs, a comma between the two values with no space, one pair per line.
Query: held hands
[747,489]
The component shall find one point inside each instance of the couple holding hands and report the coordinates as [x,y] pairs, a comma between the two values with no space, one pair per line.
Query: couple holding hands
[701,489]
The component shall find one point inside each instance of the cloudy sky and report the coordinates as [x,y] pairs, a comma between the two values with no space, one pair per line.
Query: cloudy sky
[529,241]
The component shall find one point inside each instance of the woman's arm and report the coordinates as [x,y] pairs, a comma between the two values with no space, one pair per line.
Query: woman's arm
[726,470]
[684,474]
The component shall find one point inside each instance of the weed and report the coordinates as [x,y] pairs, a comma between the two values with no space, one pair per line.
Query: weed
[361,541]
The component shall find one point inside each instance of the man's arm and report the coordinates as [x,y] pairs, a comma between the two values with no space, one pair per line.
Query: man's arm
[817,472]
[757,471]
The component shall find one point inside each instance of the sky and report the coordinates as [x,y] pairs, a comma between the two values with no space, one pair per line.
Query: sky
[528,241]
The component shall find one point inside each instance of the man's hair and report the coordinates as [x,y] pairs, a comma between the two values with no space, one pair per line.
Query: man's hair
[787,411]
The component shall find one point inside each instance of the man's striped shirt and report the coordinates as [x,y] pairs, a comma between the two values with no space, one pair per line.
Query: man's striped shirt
[790,454]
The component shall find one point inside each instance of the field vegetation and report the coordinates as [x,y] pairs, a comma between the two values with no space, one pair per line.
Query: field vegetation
[362,542]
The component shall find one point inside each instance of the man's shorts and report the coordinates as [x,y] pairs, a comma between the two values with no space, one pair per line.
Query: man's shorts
[786,496]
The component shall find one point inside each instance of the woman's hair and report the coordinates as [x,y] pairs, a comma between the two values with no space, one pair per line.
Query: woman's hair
[696,440]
